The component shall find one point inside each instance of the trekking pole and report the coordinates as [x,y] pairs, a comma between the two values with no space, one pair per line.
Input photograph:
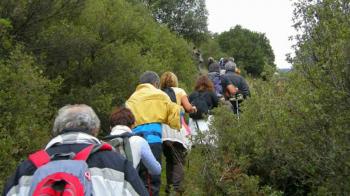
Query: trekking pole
[149,184]
[237,107]
[236,99]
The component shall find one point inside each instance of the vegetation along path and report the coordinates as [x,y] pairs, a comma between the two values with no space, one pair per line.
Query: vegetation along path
[291,139]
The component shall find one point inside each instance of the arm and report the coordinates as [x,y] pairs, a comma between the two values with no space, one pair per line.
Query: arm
[132,177]
[174,114]
[227,87]
[231,89]
[149,160]
[16,184]
[187,105]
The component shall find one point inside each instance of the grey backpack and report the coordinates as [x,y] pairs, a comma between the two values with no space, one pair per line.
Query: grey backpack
[121,143]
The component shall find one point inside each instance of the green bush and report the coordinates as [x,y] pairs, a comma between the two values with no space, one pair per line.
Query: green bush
[98,48]
[293,134]
[25,110]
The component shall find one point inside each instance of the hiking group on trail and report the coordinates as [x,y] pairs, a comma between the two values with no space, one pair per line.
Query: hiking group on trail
[128,160]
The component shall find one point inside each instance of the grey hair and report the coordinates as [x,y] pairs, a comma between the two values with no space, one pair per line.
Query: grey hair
[231,59]
[230,66]
[76,116]
[150,77]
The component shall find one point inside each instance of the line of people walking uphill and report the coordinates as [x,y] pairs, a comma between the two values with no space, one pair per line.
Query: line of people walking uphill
[128,160]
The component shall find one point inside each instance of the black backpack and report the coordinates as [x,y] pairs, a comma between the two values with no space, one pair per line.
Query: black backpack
[171,93]
[201,105]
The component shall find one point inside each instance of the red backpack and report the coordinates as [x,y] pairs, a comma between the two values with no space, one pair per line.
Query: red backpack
[66,177]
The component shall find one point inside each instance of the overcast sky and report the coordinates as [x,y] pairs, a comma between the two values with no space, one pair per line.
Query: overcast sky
[272,17]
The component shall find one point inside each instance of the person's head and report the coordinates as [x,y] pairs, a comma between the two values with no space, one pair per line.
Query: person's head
[79,116]
[231,59]
[214,67]
[150,77]
[168,79]
[204,84]
[230,66]
[211,60]
[122,116]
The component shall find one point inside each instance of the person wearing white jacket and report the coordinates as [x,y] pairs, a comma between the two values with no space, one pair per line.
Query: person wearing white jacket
[121,122]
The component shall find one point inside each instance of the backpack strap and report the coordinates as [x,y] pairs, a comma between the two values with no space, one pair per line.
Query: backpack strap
[86,152]
[39,158]
[127,149]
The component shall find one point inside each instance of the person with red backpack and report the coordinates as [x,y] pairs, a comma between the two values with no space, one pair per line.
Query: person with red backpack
[75,162]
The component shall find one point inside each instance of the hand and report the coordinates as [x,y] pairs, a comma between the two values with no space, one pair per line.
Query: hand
[194,109]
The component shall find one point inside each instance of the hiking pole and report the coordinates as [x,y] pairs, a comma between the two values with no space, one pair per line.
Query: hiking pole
[237,107]
[236,99]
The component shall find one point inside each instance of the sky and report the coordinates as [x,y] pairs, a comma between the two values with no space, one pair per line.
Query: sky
[272,17]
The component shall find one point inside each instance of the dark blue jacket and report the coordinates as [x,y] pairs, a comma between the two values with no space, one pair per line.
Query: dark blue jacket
[111,165]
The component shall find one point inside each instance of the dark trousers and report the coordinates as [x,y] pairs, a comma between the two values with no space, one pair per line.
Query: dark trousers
[175,155]
[152,182]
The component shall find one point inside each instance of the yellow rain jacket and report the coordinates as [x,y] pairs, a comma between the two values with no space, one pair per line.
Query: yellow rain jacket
[151,105]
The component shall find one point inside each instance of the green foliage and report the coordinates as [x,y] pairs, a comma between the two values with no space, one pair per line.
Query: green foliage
[293,134]
[211,48]
[187,18]
[24,108]
[59,52]
[251,50]
[99,49]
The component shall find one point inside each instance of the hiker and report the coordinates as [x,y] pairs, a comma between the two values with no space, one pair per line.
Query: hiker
[175,142]
[214,76]
[211,60]
[197,55]
[134,147]
[234,85]
[222,65]
[237,70]
[230,59]
[151,108]
[205,99]
[100,171]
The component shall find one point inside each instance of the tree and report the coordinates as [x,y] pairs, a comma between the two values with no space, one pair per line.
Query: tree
[252,51]
[293,134]
[25,108]
[187,18]
[98,48]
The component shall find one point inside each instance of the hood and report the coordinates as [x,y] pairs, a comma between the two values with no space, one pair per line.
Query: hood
[120,129]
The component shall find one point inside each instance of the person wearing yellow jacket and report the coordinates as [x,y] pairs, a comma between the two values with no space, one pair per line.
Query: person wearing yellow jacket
[152,107]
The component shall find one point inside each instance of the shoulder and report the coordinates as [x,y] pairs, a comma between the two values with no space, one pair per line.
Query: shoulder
[107,159]
[179,91]
[161,94]
[193,94]
[138,140]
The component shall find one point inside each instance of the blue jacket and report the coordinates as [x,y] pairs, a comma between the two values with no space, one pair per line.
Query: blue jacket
[152,132]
